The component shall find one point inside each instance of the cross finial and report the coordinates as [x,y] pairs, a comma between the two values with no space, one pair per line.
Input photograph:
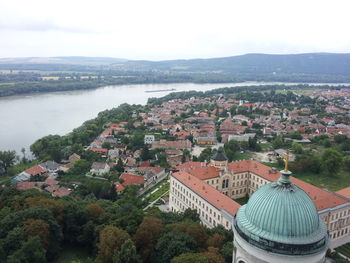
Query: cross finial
[285,158]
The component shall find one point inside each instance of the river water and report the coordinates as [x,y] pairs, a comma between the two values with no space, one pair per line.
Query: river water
[27,118]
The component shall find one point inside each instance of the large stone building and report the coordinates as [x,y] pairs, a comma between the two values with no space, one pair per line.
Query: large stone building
[238,179]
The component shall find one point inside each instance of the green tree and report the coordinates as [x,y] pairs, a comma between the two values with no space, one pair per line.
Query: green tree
[277,142]
[190,258]
[173,244]
[7,159]
[31,251]
[297,148]
[346,162]
[331,161]
[205,154]
[231,148]
[39,228]
[227,250]
[81,167]
[111,240]
[75,216]
[106,145]
[146,236]
[127,254]
[120,166]
[145,154]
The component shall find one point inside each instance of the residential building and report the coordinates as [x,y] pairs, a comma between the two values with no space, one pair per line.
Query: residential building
[99,168]
[149,139]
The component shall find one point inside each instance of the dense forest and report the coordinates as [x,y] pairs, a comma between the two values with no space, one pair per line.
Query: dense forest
[34,227]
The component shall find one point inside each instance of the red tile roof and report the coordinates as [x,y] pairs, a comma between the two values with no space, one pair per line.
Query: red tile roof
[322,198]
[50,181]
[28,185]
[204,173]
[57,190]
[345,192]
[189,165]
[99,150]
[154,170]
[213,196]
[131,179]
[35,170]
[119,187]
[62,191]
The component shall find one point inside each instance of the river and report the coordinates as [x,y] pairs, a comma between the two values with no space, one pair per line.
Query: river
[27,118]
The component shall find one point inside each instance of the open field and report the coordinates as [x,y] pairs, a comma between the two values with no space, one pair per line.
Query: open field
[331,183]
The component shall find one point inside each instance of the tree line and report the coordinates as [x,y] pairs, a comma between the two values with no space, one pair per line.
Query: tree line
[34,226]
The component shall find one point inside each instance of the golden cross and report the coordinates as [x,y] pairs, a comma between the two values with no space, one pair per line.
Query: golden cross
[285,158]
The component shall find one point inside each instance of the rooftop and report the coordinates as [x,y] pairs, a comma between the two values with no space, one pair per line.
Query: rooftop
[213,196]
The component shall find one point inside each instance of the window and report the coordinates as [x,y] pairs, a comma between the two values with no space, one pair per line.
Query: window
[225,183]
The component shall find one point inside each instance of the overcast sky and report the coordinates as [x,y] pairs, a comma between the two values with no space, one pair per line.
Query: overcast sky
[162,29]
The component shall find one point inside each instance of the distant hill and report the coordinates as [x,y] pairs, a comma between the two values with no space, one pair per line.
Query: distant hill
[312,63]
[250,64]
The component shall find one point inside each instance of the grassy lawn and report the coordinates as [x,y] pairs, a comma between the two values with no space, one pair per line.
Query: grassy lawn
[242,156]
[72,253]
[162,190]
[74,178]
[243,200]
[5,179]
[159,184]
[266,147]
[345,250]
[332,183]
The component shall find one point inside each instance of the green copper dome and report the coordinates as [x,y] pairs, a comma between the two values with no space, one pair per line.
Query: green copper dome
[280,217]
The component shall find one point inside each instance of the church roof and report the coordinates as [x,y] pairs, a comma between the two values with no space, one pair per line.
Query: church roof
[219,156]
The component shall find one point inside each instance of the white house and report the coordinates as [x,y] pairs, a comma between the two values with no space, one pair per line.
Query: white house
[149,139]
[99,168]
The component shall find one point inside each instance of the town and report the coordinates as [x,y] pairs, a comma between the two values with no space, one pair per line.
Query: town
[205,152]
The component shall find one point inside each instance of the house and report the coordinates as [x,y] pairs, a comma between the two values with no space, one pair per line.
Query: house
[113,154]
[26,175]
[99,168]
[182,144]
[149,139]
[241,138]
[73,158]
[206,140]
[50,166]
[58,191]
[29,185]
[119,188]
[101,151]
[132,179]
[151,175]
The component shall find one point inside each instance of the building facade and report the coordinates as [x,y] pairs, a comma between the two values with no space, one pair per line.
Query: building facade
[241,178]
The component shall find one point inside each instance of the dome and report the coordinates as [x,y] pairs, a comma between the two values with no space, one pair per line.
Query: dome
[281,218]
[219,156]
